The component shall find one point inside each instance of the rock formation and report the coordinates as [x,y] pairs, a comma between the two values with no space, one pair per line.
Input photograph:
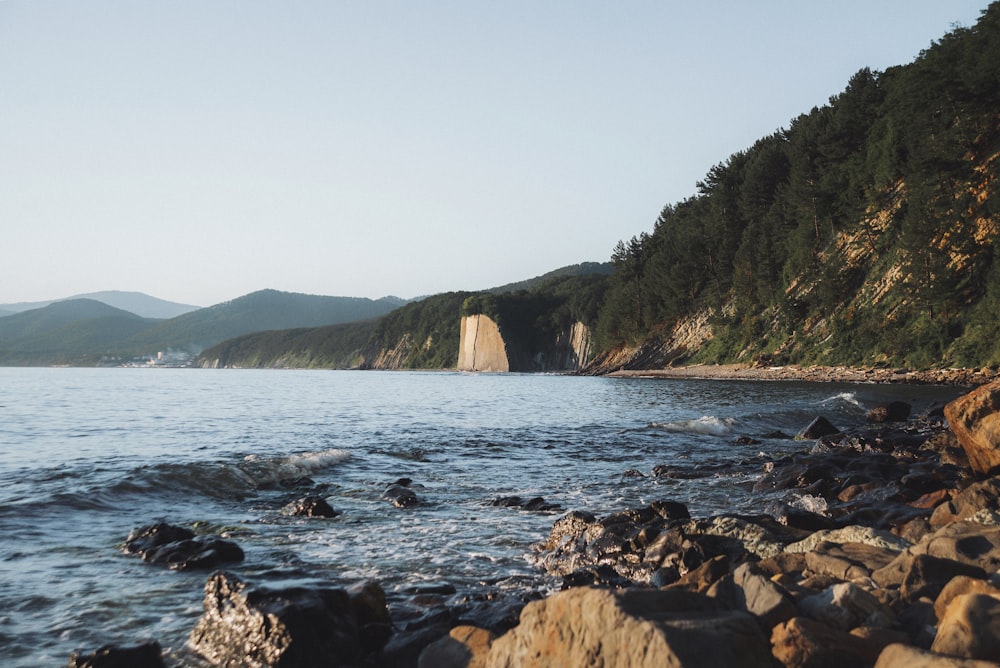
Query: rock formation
[484,346]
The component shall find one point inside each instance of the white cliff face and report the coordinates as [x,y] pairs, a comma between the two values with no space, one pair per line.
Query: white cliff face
[481,347]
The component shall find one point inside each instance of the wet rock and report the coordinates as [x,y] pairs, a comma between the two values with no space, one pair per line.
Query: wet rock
[637,628]
[975,420]
[245,625]
[310,506]
[535,503]
[400,494]
[847,561]
[970,628]
[818,428]
[146,655]
[747,588]
[463,647]
[179,548]
[894,411]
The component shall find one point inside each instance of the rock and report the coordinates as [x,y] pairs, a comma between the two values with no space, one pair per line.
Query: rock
[400,494]
[748,589]
[179,548]
[310,506]
[637,628]
[146,655]
[847,561]
[851,534]
[968,502]
[894,411]
[463,647]
[701,578]
[818,428]
[801,642]
[926,576]
[975,420]
[970,628]
[537,503]
[906,656]
[845,606]
[754,535]
[967,542]
[244,625]
[958,585]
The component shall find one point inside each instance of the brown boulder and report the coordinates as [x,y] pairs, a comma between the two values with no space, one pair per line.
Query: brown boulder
[975,420]
[584,627]
[801,642]
[957,586]
[463,647]
[970,628]
[848,561]
[905,656]
[968,502]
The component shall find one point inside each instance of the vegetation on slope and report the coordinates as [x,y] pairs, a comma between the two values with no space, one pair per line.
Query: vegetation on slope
[865,233]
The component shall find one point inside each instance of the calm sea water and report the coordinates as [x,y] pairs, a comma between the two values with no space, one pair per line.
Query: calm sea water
[86,455]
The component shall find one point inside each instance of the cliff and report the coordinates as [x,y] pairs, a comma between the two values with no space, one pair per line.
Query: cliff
[484,347]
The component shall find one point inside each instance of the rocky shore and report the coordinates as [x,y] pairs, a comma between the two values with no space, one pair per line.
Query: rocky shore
[823,374]
[888,557]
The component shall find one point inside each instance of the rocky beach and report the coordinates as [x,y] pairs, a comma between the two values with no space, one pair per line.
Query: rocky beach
[889,557]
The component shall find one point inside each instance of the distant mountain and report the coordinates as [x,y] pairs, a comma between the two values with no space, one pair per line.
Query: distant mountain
[76,331]
[89,332]
[135,302]
[261,311]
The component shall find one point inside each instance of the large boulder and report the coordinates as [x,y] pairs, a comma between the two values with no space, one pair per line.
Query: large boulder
[967,503]
[146,655]
[587,627]
[975,420]
[970,628]
[283,627]
[905,656]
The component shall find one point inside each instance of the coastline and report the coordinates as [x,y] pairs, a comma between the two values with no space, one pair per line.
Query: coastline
[819,374]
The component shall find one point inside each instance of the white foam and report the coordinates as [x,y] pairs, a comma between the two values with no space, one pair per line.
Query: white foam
[316,461]
[707,424]
[845,397]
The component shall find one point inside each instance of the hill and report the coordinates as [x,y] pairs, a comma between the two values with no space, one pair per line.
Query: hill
[77,331]
[88,332]
[135,302]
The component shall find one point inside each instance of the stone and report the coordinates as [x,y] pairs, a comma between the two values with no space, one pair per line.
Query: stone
[279,627]
[958,585]
[536,503]
[852,534]
[702,578]
[894,411]
[749,589]
[968,502]
[146,655]
[584,627]
[803,643]
[975,419]
[310,506]
[463,647]
[400,494]
[847,561]
[907,656]
[818,428]
[970,628]
[926,576]
[845,606]
[179,549]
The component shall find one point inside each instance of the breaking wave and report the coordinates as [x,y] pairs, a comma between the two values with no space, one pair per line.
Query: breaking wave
[707,424]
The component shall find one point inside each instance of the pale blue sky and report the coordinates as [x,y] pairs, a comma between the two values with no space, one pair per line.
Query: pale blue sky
[201,150]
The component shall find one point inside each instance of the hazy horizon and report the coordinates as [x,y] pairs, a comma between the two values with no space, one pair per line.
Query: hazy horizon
[197,152]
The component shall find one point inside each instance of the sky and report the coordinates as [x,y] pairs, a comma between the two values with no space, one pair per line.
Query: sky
[200,150]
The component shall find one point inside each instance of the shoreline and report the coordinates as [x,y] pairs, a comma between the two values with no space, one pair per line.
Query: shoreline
[818,374]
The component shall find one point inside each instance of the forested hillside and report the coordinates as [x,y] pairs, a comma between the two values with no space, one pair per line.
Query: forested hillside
[864,233]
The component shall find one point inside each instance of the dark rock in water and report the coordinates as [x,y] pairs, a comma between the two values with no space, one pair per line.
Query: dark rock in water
[747,440]
[146,655]
[245,625]
[595,576]
[535,503]
[671,510]
[310,506]
[400,494]
[179,549]
[894,411]
[818,428]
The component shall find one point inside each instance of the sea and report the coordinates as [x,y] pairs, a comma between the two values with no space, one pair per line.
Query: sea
[88,455]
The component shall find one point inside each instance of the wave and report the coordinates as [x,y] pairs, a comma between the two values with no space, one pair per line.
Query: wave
[707,424]
[850,398]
